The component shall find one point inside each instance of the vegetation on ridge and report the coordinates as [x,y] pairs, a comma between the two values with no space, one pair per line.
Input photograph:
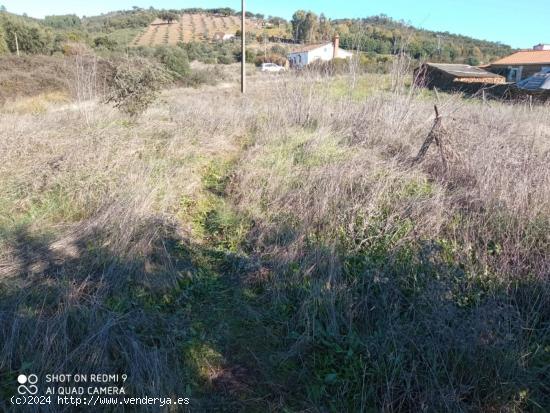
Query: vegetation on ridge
[379,35]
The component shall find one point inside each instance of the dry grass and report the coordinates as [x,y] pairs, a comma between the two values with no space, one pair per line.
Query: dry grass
[89,234]
[371,285]
[441,262]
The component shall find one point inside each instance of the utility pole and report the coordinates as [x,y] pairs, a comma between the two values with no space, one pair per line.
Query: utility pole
[243,48]
[16,43]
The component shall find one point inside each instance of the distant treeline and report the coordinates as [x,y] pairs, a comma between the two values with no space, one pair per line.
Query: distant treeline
[376,35]
[384,35]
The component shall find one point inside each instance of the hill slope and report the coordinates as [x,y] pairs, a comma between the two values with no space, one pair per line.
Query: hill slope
[191,27]
[378,34]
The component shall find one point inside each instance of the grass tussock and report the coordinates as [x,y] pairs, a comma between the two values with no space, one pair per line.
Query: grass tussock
[279,252]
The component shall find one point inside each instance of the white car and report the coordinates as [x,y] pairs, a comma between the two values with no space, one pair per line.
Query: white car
[271,67]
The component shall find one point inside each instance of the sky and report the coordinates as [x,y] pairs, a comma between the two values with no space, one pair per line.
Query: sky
[520,24]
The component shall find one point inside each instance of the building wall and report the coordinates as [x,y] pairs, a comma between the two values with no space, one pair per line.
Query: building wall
[430,77]
[524,71]
[298,59]
[323,53]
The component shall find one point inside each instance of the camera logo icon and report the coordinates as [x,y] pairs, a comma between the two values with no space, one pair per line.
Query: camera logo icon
[27,384]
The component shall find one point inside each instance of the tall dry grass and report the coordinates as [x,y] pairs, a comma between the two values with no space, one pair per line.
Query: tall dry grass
[91,240]
[391,287]
[434,282]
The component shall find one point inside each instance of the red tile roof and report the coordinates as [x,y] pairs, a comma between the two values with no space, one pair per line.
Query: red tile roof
[525,57]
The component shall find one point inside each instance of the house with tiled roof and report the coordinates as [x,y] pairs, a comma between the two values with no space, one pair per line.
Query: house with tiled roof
[308,54]
[523,64]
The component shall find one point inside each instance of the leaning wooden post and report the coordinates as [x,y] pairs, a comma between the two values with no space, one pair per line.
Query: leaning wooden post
[243,48]
[435,135]
[16,43]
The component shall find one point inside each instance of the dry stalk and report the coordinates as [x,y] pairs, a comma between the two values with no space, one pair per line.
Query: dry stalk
[436,135]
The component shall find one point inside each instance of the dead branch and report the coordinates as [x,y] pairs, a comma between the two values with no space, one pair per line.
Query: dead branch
[435,135]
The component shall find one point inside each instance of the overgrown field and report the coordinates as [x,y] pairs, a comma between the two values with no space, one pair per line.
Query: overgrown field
[279,252]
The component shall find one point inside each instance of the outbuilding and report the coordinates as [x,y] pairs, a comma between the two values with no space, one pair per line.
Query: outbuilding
[451,76]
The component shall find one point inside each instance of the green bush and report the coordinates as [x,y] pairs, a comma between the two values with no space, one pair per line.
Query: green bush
[63,22]
[226,59]
[31,38]
[134,86]
[210,53]
[3,45]
[250,56]
[105,43]
[174,60]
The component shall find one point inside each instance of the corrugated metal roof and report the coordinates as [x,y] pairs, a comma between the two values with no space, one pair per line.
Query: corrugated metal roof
[539,81]
[525,57]
[459,70]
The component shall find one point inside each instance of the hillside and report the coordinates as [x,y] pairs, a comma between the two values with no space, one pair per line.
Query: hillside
[199,27]
[378,35]
[382,34]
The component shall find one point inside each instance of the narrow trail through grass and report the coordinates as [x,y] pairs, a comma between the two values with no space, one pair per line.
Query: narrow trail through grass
[232,346]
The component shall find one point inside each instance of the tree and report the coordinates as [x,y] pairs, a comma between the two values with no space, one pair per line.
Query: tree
[472,61]
[168,16]
[62,22]
[304,26]
[30,38]
[326,31]
[276,21]
[3,8]
[134,86]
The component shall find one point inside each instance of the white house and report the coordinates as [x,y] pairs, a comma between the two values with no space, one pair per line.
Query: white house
[314,52]
[221,36]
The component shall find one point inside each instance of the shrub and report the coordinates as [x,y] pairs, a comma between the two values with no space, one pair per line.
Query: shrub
[330,68]
[473,61]
[134,86]
[209,53]
[3,45]
[278,49]
[105,43]
[250,56]
[271,58]
[209,76]
[174,60]
[226,59]
[75,49]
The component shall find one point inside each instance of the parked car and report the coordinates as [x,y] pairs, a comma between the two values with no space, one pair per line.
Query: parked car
[271,67]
